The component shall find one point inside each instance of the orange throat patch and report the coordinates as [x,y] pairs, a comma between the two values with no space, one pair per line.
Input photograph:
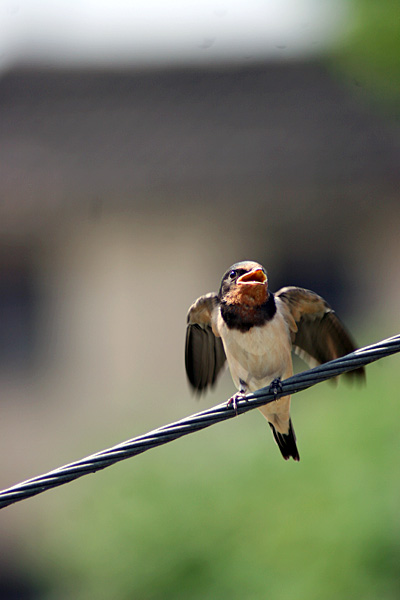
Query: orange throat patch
[248,295]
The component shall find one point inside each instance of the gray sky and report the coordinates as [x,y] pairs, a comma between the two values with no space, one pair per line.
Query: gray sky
[90,33]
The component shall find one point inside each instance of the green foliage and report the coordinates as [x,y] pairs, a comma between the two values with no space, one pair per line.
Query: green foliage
[370,57]
[219,514]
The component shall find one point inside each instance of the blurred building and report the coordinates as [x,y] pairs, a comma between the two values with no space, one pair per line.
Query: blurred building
[115,182]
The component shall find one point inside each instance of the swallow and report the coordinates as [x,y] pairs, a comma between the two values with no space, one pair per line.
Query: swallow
[255,331]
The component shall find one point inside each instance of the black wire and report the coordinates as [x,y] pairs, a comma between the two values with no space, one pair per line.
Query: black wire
[196,422]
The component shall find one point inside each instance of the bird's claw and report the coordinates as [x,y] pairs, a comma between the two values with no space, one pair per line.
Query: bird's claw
[232,402]
[276,387]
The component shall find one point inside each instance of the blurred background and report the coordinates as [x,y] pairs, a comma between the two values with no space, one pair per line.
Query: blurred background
[144,148]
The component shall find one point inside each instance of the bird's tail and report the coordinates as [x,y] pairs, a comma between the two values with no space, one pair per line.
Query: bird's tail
[286,442]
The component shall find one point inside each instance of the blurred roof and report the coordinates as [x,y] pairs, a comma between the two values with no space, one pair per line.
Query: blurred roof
[274,131]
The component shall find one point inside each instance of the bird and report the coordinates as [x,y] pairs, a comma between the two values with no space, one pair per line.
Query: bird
[255,330]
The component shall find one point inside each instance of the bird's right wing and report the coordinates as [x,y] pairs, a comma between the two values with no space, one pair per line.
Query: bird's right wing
[204,351]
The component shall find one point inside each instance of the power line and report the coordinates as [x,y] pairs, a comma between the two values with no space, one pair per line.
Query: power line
[201,420]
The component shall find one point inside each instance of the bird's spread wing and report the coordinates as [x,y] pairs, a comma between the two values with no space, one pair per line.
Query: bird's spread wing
[317,333]
[204,352]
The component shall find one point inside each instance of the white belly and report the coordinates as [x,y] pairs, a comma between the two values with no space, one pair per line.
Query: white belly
[259,355]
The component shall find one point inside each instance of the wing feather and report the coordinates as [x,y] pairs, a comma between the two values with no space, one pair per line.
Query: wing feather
[204,351]
[318,335]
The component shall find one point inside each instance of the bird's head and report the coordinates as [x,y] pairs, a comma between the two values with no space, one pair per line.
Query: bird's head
[244,283]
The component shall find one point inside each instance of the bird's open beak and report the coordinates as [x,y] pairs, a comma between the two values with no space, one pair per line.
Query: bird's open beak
[255,277]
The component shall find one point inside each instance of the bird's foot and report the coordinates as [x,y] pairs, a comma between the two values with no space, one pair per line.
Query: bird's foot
[232,402]
[276,387]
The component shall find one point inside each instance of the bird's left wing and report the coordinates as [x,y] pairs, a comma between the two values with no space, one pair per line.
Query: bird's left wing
[317,333]
[204,352]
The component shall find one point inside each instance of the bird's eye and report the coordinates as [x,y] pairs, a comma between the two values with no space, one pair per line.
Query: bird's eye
[232,274]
